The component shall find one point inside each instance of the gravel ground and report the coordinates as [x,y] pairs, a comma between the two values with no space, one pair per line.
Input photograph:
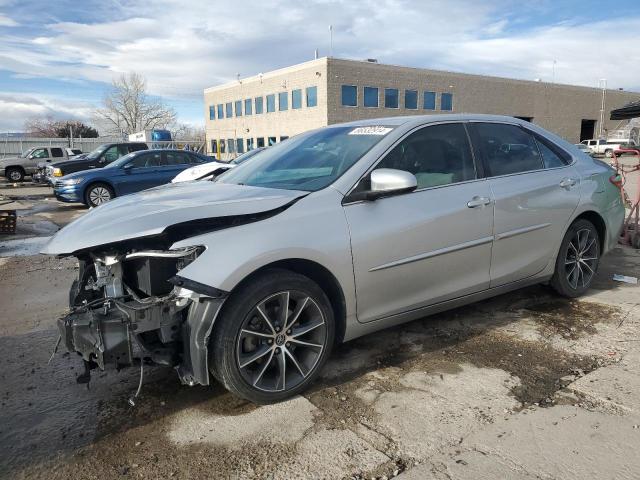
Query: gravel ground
[526,385]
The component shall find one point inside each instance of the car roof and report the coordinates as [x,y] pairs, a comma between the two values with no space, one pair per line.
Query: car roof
[421,119]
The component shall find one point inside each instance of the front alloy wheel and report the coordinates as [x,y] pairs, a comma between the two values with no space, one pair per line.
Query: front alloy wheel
[98,194]
[272,337]
[577,260]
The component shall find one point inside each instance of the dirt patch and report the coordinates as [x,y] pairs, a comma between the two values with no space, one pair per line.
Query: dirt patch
[571,319]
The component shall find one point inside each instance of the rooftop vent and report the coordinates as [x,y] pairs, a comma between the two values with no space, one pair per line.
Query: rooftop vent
[372,60]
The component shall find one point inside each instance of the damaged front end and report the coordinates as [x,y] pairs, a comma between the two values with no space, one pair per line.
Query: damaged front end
[133,306]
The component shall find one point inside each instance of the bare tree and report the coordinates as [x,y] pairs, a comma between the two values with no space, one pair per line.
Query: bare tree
[43,127]
[184,131]
[128,108]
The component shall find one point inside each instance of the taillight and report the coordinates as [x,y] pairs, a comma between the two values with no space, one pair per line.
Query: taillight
[616,180]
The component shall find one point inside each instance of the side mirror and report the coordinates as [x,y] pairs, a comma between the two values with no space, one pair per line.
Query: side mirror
[386,182]
[127,167]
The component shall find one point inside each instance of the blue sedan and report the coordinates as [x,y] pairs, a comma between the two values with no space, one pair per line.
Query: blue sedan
[129,174]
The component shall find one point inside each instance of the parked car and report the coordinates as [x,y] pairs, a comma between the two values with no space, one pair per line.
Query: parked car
[253,278]
[40,175]
[16,169]
[212,169]
[584,148]
[98,158]
[129,174]
[602,147]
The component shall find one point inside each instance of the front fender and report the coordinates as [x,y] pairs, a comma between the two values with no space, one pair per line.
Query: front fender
[314,229]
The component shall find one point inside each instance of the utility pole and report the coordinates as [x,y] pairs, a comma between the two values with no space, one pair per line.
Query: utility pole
[330,41]
[602,83]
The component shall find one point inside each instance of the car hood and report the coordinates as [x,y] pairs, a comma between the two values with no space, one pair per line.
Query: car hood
[7,160]
[150,212]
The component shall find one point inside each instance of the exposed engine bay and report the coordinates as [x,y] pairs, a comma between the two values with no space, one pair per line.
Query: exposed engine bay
[134,307]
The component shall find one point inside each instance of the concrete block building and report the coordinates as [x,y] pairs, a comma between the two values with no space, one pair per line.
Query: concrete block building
[270,107]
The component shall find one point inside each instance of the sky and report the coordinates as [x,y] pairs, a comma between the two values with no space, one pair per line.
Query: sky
[59,57]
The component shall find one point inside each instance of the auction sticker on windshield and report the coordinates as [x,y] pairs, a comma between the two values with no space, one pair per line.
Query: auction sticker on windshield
[377,130]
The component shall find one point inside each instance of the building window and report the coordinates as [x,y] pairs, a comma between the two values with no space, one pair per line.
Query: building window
[312,96]
[231,145]
[247,107]
[260,142]
[271,103]
[214,147]
[220,111]
[229,109]
[390,98]
[296,99]
[272,141]
[371,97]
[283,101]
[212,112]
[259,108]
[240,145]
[223,146]
[429,100]
[283,138]
[250,144]
[238,108]
[446,101]
[411,99]
[349,96]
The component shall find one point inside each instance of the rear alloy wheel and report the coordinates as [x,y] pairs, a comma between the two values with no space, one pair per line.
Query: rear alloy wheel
[15,174]
[273,337]
[577,260]
[98,194]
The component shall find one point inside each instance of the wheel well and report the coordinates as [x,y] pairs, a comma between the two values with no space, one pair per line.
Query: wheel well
[14,167]
[323,277]
[598,222]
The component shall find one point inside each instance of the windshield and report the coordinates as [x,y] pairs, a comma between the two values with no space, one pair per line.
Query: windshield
[246,156]
[308,162]
[27,153]
[97,152]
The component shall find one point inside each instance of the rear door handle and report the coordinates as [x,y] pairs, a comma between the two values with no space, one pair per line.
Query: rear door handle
[477,201]
[567,182]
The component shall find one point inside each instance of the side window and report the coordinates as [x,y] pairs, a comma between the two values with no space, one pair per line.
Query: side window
[57,152]
[507,149]
[111,154]
[178,158]
[552,157]
[146,160]
[436,155]
[40,153]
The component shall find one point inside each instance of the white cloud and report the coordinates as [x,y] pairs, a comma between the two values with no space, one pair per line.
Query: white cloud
[7,22]
[16,108]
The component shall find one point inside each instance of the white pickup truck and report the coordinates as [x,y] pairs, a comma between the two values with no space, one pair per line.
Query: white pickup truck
[604,147]
[16,168]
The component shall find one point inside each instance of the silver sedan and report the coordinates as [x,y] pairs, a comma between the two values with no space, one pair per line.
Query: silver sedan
[338,232]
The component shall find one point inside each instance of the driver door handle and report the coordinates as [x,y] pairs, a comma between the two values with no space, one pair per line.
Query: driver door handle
[477,201]
[567,182]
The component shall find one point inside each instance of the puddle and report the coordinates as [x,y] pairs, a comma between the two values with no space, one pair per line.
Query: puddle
[22,247]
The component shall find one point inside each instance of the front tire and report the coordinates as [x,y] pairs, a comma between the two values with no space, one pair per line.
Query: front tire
[577,261]
[273,336]
[15,174]
[97,194]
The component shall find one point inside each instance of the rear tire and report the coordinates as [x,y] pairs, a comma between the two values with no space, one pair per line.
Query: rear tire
[264,355]
[97,194]
[577,261]
[14,174]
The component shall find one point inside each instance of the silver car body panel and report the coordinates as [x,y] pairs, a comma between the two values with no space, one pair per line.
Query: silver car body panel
[396,258]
